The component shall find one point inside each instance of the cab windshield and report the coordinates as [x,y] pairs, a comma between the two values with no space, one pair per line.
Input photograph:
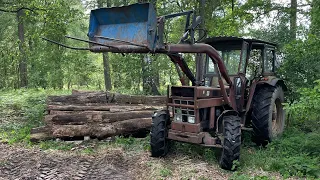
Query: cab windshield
[231,59]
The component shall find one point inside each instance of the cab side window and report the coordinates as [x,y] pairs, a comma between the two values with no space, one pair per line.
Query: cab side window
[254,67]
[268,60]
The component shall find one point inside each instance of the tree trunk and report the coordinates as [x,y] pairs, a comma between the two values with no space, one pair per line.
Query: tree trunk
[106,63]
[200,60]
[106,70]
[23,58]
[293,19]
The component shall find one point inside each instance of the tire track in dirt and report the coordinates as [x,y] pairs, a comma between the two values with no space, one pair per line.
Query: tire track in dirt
[21,163]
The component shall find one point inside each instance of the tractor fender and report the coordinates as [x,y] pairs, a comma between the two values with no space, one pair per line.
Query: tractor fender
[219,122]
[273,81]
[270,80]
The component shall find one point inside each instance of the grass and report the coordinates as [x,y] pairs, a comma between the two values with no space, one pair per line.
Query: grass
[21,110]
[295,154]
[56,145]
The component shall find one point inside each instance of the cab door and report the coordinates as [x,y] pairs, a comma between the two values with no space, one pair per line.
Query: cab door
[240,81]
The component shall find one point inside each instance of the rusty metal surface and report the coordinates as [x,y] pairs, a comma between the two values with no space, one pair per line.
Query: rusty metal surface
[251,93]
[200,103]
[208,139]
[195,138]
[212,117]
[202,138]
[206,92]
[180,105]
[201,48]
[211,102]
[185,127]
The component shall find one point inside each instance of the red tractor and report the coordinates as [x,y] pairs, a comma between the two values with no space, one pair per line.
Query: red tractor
[214,111]
[234,89]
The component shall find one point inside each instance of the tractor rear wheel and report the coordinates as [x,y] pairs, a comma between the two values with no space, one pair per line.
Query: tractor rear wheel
[231,142]
[267,114]
[159,133]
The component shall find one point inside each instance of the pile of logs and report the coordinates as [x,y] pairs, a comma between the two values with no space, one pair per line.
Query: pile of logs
[97,114]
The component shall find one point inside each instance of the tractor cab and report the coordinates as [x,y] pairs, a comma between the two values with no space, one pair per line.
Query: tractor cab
[246,60]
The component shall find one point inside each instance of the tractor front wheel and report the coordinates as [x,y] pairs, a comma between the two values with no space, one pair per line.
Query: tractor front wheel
[231,142]
[159,133]
[267,114]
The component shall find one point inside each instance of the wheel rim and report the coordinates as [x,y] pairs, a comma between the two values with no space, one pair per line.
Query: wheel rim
[276,118]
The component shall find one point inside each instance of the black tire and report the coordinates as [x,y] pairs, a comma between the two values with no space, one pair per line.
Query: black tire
[268,116]
[159,132]
[231,142]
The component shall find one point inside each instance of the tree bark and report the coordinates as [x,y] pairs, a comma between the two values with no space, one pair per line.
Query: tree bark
[23,59]
[293,19]
[102,98]
[200,60]
[98,130]
[111,108]
[88,117]
[106,62]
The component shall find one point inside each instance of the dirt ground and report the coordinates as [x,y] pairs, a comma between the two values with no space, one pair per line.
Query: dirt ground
[22,163]
[18,162]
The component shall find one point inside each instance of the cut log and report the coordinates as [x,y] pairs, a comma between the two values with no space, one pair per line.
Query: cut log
[82,98]
[96,117]
[40,134]
[102,130]
[78,108]
[134,99]
[105,97]
[79,92]
[111,108]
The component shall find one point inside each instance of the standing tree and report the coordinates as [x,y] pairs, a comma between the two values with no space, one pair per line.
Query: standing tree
[20,13]
[106,63]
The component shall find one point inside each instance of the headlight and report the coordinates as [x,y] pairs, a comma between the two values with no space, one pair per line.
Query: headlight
[178,115]
[191,119]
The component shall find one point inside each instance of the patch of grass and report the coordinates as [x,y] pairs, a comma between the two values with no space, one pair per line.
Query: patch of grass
[195,151]
[20,111]
[165,172]
[294,154]
[56,145]
[133,144]
[88,150]
[241,176]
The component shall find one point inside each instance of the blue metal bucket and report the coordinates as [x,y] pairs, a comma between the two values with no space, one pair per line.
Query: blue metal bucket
[135,23]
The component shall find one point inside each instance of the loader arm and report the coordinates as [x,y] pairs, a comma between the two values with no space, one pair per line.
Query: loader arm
[181,48]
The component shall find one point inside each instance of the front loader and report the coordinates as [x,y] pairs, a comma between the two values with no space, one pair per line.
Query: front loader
[235,90]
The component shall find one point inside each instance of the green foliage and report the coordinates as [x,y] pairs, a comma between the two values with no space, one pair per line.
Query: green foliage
[241,176]
[294,154]
[196,151]
[301,67]
[165,172]
[56,145]
[132,143]
[21,110]
[304,112]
